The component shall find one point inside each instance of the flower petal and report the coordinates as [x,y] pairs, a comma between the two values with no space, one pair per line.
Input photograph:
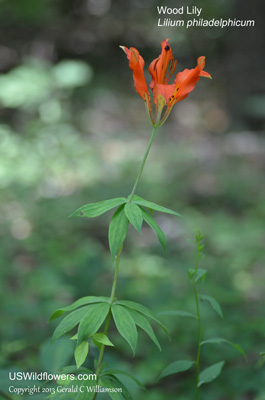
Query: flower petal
[158,68]
[166,91]
[186,81]
[205,74]
[136,63]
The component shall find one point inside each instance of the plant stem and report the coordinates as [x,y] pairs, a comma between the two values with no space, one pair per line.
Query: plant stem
[143,163]
[113,290]
[199,323]
[112,298]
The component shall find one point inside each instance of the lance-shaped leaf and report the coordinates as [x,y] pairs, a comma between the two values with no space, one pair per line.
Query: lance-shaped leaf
[112,382]
[143,323]
[125,325]
[115,371]
[156,228]
[92,321]
[74,337]
[68,372]
[102,339]
[69,322]
[201,274]
[210,373]
[95,209]
[153,206]
[117,230]
[141,309]
[87,394]
[221,340]
[78,303]
[214,304]
[176,367]
[178,313]
[72,369]
[81,352]
[134,215]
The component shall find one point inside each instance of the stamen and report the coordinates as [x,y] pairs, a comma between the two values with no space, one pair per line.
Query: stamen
[155,64]
[155,69]
[168,75]
[174,67]
[171,71]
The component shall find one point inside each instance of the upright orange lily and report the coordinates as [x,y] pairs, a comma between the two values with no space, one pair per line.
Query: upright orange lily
[161,70]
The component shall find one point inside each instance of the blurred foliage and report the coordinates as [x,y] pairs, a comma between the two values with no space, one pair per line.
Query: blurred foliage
[73,131]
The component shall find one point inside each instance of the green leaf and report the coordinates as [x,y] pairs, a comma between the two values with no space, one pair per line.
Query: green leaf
[112,382]
[80,302]
[176,367]
[210,373]
[199,236]
[72,369]
[134,215]
[262,353]
[142,310]
[116,383]
[111,371]
[69,371]
[143,323]
[89,390]
[69,322]
[142,202]
[117,230]
[201,273]
[92,321]
[221,340]
[80,353]
[102,338]
[125,325]
[74,337]
[63,382]
[214,304]
[156,228]
[178,313]
[95,209]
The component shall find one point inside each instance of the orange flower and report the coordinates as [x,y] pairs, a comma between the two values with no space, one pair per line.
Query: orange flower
[161,70]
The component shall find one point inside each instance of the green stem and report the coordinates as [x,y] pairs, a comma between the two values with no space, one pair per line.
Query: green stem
[199,324]
[113,290]
[112,298]
[143,163]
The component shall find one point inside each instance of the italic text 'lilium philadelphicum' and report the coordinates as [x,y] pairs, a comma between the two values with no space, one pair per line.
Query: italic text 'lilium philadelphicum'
[161,70]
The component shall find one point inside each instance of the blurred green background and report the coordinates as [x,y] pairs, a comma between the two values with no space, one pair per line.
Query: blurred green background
[73,131]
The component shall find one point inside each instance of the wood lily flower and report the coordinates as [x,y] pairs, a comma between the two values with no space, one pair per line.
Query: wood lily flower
[161,70]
